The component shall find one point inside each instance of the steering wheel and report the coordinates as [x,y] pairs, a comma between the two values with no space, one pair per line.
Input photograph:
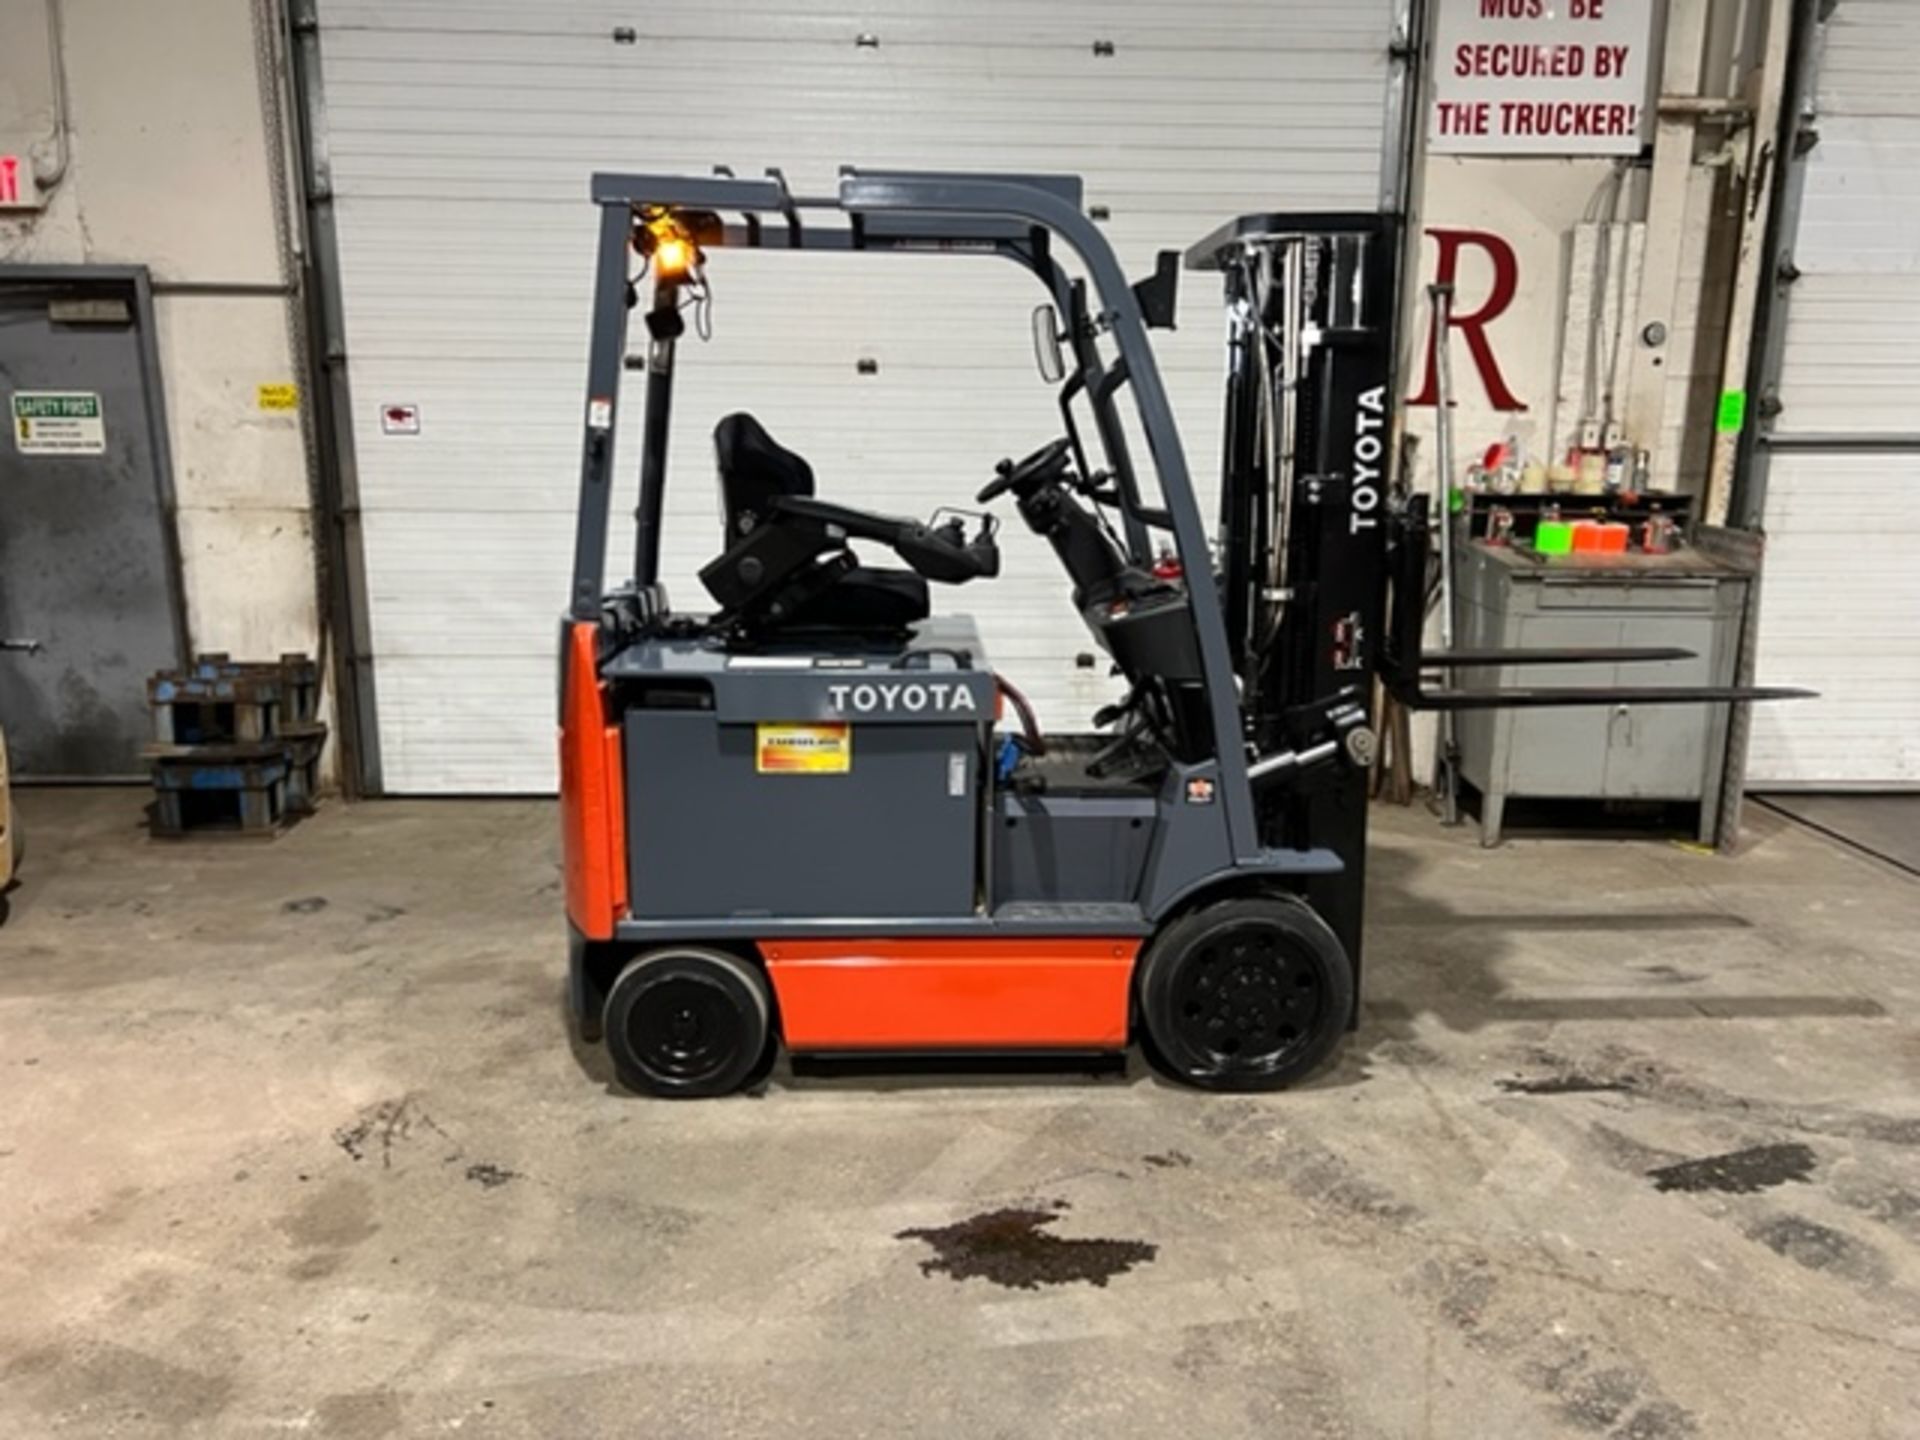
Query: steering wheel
[1043,464]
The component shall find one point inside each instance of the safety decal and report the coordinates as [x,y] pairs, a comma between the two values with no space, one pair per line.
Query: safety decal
[803,749]
[52,422]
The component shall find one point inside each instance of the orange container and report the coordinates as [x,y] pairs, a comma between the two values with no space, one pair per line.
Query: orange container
[1599,537]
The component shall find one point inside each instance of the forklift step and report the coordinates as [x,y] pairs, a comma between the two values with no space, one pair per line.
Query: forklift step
[1072,917]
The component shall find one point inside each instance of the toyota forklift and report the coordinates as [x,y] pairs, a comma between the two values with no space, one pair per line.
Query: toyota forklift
[791,818]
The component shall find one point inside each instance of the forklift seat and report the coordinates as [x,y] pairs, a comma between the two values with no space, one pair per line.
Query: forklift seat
[755,472]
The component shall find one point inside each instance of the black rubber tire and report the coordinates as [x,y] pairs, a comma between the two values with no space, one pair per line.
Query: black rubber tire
[1244,994]
[686,1023]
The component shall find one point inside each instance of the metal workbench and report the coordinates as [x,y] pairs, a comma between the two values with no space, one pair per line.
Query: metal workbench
[1513,597]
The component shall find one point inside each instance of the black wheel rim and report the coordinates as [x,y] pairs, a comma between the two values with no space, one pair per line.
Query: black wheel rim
[1248,998]
[685,1029]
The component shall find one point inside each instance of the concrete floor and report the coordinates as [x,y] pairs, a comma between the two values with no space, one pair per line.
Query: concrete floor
[1886,826]
[294,1141]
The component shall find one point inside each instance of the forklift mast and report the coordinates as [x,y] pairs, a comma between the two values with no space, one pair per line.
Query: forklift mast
[1325,555]
[1310,302]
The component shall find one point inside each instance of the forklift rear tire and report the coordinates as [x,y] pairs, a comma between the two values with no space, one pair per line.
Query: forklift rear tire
[1245,994]
[685,1023]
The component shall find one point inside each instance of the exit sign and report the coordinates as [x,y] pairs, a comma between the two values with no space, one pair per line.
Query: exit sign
[17,190]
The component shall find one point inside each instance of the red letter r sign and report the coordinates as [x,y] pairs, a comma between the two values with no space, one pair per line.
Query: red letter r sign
[1472,328]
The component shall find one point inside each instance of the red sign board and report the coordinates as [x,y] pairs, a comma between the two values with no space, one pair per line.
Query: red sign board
[9,179]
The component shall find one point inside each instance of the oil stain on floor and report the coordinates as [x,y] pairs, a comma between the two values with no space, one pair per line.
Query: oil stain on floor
[489,1176]
[1572,1084]
[1738,1172]
[1010,1248]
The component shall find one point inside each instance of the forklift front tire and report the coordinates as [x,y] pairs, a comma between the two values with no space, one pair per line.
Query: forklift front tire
[1245,994]
[686,1022]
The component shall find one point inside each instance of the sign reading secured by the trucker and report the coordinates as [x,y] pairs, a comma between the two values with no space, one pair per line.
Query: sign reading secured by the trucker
[58,422]
[1541,77]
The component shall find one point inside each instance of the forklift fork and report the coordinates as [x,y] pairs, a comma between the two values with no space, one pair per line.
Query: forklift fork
[1404,664]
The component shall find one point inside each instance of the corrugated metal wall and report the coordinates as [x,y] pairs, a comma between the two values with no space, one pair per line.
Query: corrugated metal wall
[1841,603]
[461,136]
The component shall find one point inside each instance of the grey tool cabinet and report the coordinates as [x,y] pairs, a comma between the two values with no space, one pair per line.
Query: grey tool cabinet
[1511,597]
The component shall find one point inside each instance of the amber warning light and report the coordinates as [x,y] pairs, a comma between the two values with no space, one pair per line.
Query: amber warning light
[665,241]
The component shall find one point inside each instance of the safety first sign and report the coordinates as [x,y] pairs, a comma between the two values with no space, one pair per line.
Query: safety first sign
[52,422]
[1541,77]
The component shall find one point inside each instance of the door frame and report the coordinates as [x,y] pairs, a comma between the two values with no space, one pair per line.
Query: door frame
[1799,133]
[135,280]
[347,613]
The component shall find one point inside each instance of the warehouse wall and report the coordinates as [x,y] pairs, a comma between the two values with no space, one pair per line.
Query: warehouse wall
[1531,207]
[169,168]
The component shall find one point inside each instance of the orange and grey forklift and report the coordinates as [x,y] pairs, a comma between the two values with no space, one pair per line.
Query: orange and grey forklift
[791,819]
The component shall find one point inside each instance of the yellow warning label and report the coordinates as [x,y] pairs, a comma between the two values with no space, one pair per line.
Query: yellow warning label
[278,397]
[803,749]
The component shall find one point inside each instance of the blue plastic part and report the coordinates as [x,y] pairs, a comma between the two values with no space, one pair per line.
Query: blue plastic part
[1008,758]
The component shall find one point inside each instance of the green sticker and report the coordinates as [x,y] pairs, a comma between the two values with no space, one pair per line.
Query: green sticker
[1733,409]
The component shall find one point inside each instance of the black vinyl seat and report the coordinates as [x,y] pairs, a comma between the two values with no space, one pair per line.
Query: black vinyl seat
[755,471]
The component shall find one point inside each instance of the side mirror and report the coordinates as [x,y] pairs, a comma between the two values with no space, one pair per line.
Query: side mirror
[1046,344]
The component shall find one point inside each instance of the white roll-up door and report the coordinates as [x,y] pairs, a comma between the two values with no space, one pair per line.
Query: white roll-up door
[1841,599]
[460,135]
